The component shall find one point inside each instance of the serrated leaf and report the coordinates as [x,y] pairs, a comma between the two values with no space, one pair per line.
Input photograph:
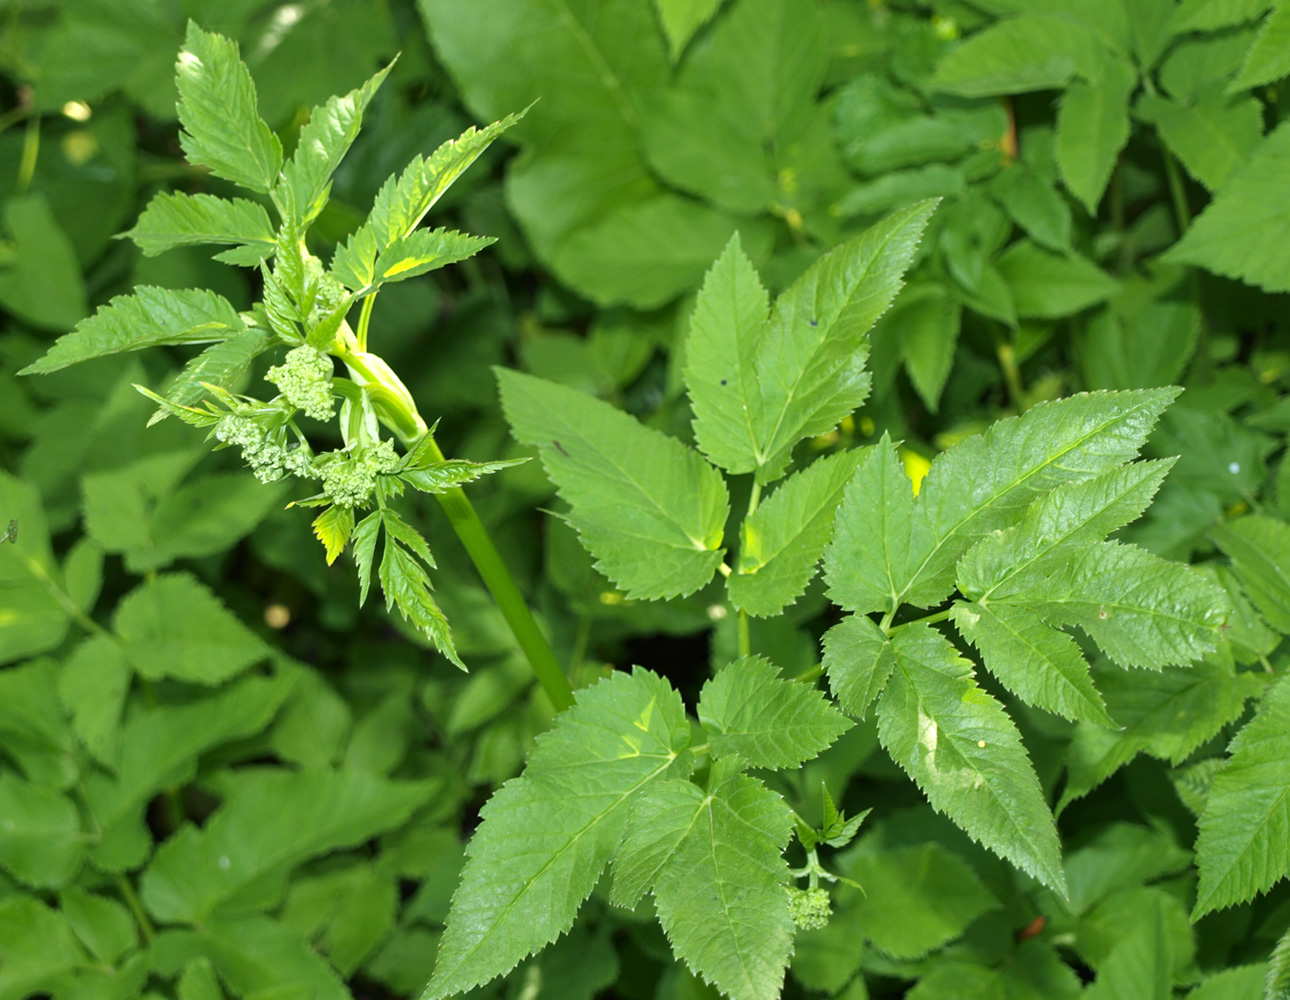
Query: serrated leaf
[1033,52]
[39,948]
[425,250]
[1259,548]
[105,926]
[1042,665]
[546,836]
[365,536]
[1049,285]
[915,900]
[1212,137]
[220,365]
[179,220]
[1206,15]
[440,477]
[1277,984]
[749,710]
[1092,128]
[1244,843]
[1269,57]
[401,204]
[148,318]
[720,897]
[92,687]
[273,821]
[41,842]
[858,659]
[1240,234]
[758,390]
[223,130]
[324,140]
[173,626]
[333,527]
[406,586]
[650,510]
[963,751]
[780,543]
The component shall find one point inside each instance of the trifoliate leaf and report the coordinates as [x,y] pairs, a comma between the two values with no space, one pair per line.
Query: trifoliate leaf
[749,710]
[1092,128]
[217,108]
[546,836]
[148,318]
[179,220]
[173,626]
[1259,548]
[1244,843]
[41,842]
[781,541]
[273,821]
[650,510]
[858,659]
[758,389]
[964,752]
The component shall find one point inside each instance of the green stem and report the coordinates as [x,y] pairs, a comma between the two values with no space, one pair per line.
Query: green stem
[1177,192]
[30,153]
[364,318]
[128,894]
[745,636]
[497,578]
[61,596]
[810,673]
[940,616]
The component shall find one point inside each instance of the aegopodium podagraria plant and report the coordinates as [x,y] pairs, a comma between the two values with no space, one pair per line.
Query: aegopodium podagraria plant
[995,562]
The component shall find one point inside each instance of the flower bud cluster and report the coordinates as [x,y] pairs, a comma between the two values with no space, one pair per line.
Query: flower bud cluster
[350,478]
[304,377]
[263,450]
[811,908]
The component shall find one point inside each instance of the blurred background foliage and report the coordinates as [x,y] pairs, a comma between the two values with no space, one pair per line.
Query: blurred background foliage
[175,651]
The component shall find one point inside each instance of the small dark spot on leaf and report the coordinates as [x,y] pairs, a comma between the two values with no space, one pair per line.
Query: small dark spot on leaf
[560,449]
[815,322]
[723,381]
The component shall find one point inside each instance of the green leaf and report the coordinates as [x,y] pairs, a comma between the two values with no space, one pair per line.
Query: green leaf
[105,926]
[1042,665]
[273,821]
[425,250]
[32,619]
[681,19]
[305,184]
[930,325]
[858,660]
[148,318]
[219,365]
[546,836]
[38,947]
[440,477]
[1278,980]
[963,751]
[1032,52]
[648,508]
[1269,57]
[916,899]
[780,543]
[1036,205]
[1259,548]
[759,389]
[1092,128]
[1240,233]
[401,204]
[1048,285]
[223,130]
[1244,843]
[1139,965]
[333,527]
[179,220]
[1035,971]
[1121,856]
[1206,15]
[173,626]
[1212,137]
[41,842]
[406,584]
[42,282]
[720,895]
[33,729]
[92,687]
[749,710]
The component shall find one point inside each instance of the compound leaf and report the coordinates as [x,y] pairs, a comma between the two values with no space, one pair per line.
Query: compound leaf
[650,509]
[546,836]
[148,318]
[178,220]
[749,710]
[223,130]
[964,752]
[781,541]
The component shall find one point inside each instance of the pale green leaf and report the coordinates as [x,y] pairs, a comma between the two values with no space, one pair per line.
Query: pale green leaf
[547,836]
[749,710]
[223,130]
[1269,57]
[402,203]
[1244,843]
[1040,664]
[273,821]
[963,751]
[424,250]
[324,140]
[41,842]
[1048,285]
[333,527]
[1259,548]
[681,19]
[148,318]
[781,541]
[858,659]
[1241,233]
[33,729]
[650,509]
[1036,205]
[407,586]
[1032,52]
[440,477]
[1121,856]
[1092,128]
[916,899]
[173,626]
[1212,137]
[179,220]
[721,895]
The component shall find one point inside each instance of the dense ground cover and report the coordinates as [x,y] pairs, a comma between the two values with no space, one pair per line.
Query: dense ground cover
[1012,757]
